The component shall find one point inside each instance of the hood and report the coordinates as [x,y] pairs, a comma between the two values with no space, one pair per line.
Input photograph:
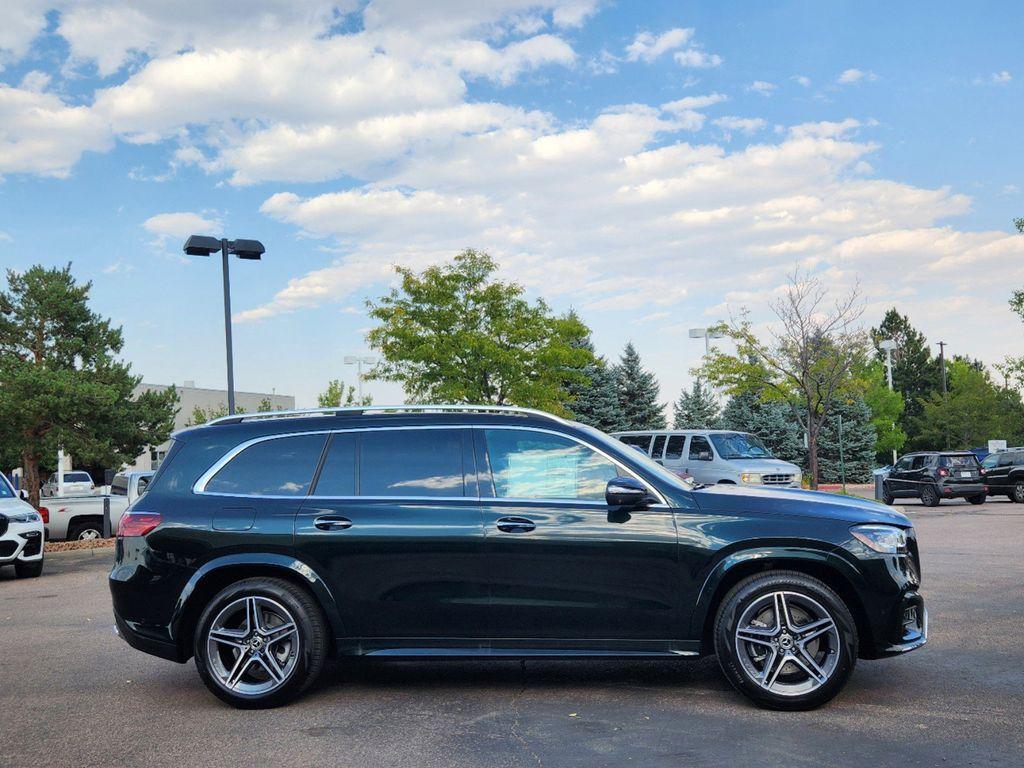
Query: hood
[795,501]
[11,506]
[766,465]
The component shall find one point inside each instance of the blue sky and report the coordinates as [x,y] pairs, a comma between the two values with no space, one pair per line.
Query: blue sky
[655,165]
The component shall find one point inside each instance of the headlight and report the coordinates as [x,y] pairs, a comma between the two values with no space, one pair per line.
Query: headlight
[24,517]
[887,539]
[751,478]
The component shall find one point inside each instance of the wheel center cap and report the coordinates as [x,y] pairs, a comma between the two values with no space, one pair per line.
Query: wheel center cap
[256,642]
[786,641]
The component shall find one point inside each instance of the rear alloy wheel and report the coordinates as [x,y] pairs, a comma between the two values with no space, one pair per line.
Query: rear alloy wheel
[260,643]
[930,496]
[86,532]
[785,640]
[1018,492]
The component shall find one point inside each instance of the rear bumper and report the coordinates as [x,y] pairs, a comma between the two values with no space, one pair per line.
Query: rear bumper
[150,645]
[960,490]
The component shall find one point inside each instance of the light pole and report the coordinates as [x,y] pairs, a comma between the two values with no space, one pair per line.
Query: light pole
[358,361]
[707,335]
[889,345]
[253,250]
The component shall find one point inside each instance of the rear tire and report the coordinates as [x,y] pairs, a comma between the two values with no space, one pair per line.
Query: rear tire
[887,497]
[798,663]
[930,496]
[245,652]
[1018,492]
[85,532]
[28,570]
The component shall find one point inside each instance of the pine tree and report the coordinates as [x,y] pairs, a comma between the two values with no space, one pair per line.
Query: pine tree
[859,437]
[595,400]
[696,408]
[772,421]
[638,391]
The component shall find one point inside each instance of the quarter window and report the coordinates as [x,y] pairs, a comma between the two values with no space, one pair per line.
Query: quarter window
[411,462]
[281,466]
[338,476]
[537,465]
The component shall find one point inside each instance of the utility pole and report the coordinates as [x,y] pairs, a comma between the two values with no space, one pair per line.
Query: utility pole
[942,362]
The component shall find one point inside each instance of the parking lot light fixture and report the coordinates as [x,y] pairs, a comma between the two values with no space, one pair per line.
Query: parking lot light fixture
[707,335]
[251,250]
[359,361]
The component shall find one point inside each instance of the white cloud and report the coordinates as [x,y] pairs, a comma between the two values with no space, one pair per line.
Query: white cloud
[802,80]
[697,59]
[5,238]
[763,87]
[181,224]
[647,46]
[850,76]
[730,123]
[1001,78]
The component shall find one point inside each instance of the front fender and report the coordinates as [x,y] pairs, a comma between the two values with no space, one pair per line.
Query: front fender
[262,561]
[811,552]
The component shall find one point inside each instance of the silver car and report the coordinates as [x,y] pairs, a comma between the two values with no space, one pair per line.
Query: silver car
[713,456]
[76,483]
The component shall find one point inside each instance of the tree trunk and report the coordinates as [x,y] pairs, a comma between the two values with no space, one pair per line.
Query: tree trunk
[812,458]
[30,478]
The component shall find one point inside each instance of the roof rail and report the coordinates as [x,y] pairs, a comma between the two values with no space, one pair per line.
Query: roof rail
[358,410]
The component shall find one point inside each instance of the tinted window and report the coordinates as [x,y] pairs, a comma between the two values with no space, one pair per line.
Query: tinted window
[142,485]
[6,492]
[658,447]
[282,466]
[1007,459]
[537,465]
[338,477]
[991,460]
[920,462]
[674,449]
[77,477]
[700,449]
[904,463]
[119,486]
[640,441]
[411,462]
[968,461]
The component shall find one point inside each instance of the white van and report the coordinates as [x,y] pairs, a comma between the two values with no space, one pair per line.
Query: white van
[713,456]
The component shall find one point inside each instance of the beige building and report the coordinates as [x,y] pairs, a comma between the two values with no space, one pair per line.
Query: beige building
[192,397]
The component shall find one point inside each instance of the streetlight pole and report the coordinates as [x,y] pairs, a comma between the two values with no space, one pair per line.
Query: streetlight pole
[253,250]
[227,326]
[942,362]
[358,361]
[889,345]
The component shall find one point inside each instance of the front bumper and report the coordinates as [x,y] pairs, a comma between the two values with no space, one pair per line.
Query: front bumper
[22,542]
[914,628]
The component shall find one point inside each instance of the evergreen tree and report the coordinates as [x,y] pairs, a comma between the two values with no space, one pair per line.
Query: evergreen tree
[772,421]
[638,392]
[595,396]
[858,449]
[696,408]
[916,373]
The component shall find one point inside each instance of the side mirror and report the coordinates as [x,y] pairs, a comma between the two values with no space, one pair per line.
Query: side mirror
[625,492]
[23,494]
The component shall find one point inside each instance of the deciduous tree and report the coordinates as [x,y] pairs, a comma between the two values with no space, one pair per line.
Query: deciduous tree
[337,395]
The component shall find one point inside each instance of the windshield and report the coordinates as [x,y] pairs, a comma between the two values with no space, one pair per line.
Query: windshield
[740,445]
[615,447]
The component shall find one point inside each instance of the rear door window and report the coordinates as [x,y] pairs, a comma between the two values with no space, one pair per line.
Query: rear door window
[281,466]
[658,447]
[411,462]
[674,447]
[119,485]
[700,449]
[338,474]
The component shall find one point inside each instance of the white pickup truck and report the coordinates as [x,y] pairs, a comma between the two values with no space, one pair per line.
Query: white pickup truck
[81,517]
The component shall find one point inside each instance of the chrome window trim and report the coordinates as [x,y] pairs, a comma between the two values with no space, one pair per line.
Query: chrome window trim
[199,487]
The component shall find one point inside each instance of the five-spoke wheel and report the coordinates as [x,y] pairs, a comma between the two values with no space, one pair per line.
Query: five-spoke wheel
[786,640]
[260,642]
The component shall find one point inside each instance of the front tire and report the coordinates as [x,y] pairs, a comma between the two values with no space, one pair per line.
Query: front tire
[1018,492]
[28,570]
[930,496]
[785,640]
[260,643]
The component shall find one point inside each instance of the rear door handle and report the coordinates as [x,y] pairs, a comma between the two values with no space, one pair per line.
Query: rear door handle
[332,523]
[515,524]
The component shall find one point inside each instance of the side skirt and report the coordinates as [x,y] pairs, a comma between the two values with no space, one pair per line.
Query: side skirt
[514,648]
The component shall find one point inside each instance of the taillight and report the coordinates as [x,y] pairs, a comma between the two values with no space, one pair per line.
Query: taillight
[45,514]
[137,523]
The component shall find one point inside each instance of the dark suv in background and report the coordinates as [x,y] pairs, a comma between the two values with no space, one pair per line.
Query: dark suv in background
[935,475]
[1003,472]
[269,542]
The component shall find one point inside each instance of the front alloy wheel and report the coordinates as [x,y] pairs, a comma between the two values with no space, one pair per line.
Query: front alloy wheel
[1018,492]
[260,642]
[785,640]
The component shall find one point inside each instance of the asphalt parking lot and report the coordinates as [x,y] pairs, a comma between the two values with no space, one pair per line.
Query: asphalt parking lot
[71,693]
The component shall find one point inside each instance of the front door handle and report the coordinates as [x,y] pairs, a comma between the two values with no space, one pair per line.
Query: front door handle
[515,525]
[332,523]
